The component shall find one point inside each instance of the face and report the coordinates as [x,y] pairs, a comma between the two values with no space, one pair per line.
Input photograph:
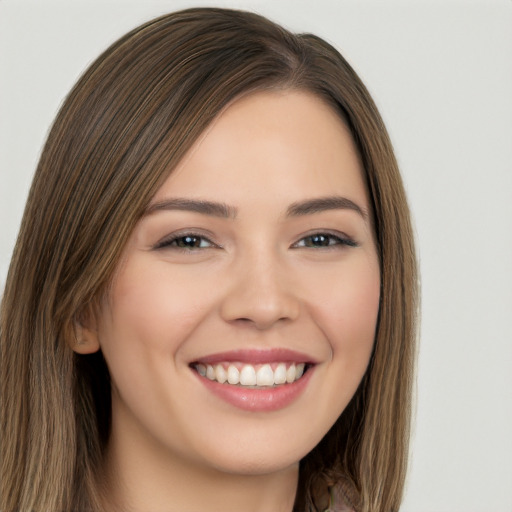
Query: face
[242,316]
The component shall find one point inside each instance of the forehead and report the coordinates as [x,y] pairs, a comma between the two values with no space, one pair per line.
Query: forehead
[285,144]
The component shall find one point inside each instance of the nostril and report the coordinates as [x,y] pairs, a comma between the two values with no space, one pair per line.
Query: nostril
[257,323]
[242,322]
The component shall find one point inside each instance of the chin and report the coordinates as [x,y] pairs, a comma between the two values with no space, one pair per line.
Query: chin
[250,457]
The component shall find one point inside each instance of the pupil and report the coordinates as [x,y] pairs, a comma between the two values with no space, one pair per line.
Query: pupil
[319,240]
[189,241]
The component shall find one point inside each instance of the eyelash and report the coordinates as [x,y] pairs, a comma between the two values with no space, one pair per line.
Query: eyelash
[173,240]
[339,240]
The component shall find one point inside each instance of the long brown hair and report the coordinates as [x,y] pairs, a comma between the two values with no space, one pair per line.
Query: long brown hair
[123,128]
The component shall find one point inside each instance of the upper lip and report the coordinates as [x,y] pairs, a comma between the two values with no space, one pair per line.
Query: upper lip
[252,356]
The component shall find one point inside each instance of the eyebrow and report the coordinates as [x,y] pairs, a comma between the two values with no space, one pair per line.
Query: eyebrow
[216,209]
[193,205]
[322,204]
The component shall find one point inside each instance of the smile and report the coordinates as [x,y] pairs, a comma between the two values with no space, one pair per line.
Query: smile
[256,380]
[252,375]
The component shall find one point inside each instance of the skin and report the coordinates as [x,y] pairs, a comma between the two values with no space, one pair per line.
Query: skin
[256,281]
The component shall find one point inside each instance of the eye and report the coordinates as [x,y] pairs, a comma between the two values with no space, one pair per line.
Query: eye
[324,240]
[186,242]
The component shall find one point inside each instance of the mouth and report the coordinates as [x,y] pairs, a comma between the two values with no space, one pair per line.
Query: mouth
[252,376]
[256,380]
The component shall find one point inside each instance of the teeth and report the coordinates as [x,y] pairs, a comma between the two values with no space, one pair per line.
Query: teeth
[291,373]
[265,376]
[279,374]
[253,376]
[220,374]
[248,376]
[201,369]
[233,374]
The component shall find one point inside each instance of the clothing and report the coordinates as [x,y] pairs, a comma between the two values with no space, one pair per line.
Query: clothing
[339,501]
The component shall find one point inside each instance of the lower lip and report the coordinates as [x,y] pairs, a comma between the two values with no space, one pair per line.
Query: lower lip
[258,400]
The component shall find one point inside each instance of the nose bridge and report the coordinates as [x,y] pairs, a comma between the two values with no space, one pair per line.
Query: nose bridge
[259,289]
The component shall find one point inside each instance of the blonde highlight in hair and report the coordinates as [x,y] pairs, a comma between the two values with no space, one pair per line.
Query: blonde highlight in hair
[127,123]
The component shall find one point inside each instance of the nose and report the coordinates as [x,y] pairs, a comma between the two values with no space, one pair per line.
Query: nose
[260,293]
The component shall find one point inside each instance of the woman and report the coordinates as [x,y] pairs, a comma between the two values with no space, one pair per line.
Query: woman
[211,304]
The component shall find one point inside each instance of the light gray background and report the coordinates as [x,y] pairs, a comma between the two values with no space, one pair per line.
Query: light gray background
[441,74]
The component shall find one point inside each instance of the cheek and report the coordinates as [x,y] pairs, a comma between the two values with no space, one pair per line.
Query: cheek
[347,314]
[356,315]
[150,315]
[348,300]
[345,307]
[151,309]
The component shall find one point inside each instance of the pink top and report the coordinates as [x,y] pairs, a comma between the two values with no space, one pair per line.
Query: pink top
[339,501]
